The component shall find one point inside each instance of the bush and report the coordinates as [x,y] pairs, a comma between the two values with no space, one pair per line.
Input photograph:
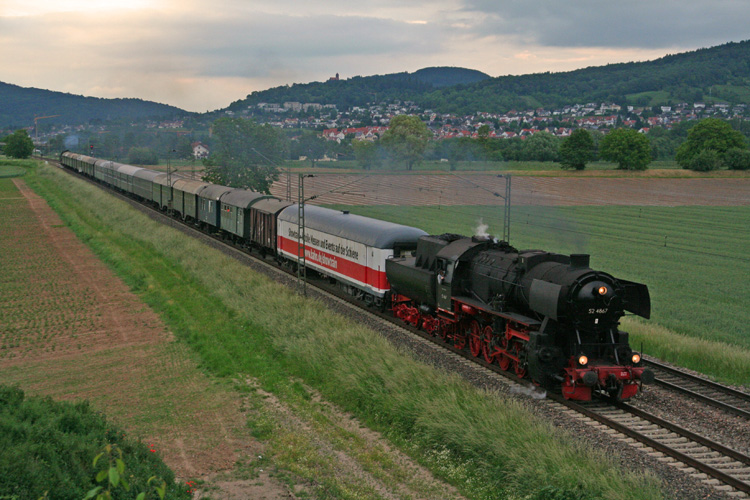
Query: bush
[737,159]
[705,161]
[142,156]
[49,446]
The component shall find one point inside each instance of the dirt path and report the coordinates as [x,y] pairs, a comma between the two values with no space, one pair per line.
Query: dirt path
[71,329]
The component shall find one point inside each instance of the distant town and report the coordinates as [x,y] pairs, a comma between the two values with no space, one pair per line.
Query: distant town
[369,123]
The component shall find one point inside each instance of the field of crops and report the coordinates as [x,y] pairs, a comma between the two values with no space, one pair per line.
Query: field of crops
[695,260]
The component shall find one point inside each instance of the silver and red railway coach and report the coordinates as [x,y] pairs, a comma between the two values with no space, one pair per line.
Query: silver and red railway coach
[350,248]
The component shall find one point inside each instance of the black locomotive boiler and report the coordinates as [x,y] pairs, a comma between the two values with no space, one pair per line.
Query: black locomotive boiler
[543,315]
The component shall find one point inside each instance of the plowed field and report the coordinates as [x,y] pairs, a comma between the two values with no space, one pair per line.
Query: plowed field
[473,189]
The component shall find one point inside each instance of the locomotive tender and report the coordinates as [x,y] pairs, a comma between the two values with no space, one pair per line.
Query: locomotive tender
[546,316]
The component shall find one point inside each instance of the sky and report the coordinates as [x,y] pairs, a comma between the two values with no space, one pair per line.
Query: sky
[202,55]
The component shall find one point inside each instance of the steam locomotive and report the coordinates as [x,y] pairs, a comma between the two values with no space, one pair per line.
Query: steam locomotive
[546,316]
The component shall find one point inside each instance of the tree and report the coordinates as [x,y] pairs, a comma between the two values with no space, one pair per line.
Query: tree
[18,144]
[142,156]
[406,139]
[541,146]
[626,147]
[737,159]
[705,161]
[312,145]
[713,134]
[577,149]
[366,153]
[245,154]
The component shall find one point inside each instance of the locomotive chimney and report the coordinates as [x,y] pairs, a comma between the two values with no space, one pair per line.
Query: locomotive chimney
[579,260]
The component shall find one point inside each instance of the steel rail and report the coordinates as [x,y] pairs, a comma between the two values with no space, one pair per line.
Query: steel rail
[719,388]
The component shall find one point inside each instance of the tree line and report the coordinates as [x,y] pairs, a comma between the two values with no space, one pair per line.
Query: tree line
[247,154]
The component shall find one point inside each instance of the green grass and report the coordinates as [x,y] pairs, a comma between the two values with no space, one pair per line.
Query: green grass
[10,167]
[50,446]
[695,260]
[242,325]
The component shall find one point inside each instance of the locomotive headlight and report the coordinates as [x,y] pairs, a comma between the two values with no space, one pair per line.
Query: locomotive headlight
[583,360]
[603,290]
[636,358]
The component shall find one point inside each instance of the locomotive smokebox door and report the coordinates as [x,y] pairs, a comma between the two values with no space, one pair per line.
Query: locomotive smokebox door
[444,279]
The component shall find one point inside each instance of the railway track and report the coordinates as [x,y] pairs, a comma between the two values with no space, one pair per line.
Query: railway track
[705,460]
[701,389]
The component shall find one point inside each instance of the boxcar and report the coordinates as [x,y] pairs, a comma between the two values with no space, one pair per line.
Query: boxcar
[104,172]
[263,214]
[162,189]
[235,205]
[143,181]
[186,197]
[351,248]
[125,176]
[209,204]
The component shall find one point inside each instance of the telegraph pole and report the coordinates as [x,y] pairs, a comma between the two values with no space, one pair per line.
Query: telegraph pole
[301,246]
[506,212]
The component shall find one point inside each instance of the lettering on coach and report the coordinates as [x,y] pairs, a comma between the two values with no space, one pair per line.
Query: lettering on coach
[328,246]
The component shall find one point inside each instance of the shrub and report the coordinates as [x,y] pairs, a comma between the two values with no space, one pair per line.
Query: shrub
[142,156]
[737,159]
[49,446]
[705,161]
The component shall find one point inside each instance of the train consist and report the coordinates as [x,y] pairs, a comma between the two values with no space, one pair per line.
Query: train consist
[545,316]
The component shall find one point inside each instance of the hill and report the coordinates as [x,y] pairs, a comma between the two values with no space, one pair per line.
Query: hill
[21,104]
[449,76]
[359,90]
[719,73]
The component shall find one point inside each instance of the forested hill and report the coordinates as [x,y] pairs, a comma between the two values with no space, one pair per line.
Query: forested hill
[719,73]
[360,90]
[19,106]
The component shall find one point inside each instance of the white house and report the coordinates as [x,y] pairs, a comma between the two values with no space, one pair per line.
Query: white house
[199,150]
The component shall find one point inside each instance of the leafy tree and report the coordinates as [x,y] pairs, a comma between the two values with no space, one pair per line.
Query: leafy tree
[142,156]
[367,154]
[705,161]
[312,145]
[577,149]
[541,146]
[406,139]
[713,134]
[245,154]
[18,144]
[626,147]
[737,159]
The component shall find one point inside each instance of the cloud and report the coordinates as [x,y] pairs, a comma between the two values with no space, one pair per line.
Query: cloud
[641,24]
[203,55]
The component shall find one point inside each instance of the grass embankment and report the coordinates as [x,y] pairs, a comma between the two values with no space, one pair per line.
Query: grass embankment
[694,260]
[243,325]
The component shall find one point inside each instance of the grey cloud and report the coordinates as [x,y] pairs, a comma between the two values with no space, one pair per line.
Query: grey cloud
[258,45]
[636,24]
